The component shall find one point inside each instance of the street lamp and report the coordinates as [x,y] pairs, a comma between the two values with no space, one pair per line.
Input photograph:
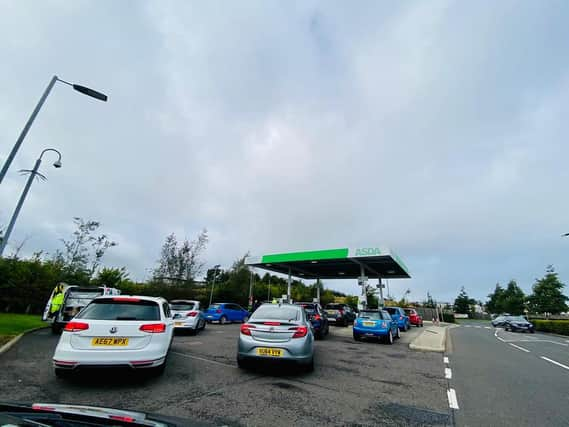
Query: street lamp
[84,90]
[33,173]
[215,267]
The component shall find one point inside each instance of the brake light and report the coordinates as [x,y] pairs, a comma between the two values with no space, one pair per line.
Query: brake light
[341,311]
[121,418]
[272,323]
[218,311]
[301,331]
[76,326]
[126,299]
[192,314]
[317,317]
[39,407]
[246,328]
[153,328]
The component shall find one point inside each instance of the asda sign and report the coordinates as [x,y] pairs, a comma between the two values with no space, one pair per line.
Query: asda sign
[367,251]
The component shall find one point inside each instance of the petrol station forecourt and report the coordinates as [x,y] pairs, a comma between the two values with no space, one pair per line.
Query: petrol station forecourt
[362,263]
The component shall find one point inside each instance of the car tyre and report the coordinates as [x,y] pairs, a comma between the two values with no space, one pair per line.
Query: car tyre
[242,363]
[532,331]
[62,373]
[357,337]
[56,329]
[310,366]
[398,334]
[203,325]
[389,338]
[222,320]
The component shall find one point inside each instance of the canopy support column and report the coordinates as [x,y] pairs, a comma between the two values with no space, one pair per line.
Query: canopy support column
[318,290]
[380,286]
[289,284]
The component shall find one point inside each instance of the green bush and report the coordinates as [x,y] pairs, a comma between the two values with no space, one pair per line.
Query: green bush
[448,317]
[560,327]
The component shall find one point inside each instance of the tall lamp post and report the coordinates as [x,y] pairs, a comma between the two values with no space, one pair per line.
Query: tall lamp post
[215,267]
[84,90]
[33,173]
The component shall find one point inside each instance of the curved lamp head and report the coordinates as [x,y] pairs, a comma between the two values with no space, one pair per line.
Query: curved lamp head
[57,164]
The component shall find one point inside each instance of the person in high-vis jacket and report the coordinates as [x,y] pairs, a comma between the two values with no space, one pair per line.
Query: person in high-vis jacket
[56,300]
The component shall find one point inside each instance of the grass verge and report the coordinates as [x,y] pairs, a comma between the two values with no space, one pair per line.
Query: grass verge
[14,324]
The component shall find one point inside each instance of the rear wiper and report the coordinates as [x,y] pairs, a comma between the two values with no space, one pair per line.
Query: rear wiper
[126,318]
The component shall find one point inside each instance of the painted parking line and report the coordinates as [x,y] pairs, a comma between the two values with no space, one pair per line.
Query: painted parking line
[487,327]
[448,373]
[478,327]
[519,348]
[468,326]
[555,363]
[203,359]
[452,400]
[496,335]
[445,360]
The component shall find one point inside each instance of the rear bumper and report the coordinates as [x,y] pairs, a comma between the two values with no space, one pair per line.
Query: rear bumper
[415,321]
[186,323]
[297,349]
[377,332]
[213,317]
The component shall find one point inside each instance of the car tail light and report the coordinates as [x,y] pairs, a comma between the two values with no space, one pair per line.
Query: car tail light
[300,331]
[153,328]
[341,311]
[384,324]
[126,299]
[122,418]
[64,363]
[317,317]
[218,311]
[76,326]
[192,314]
[246,328]
[272,323]
[40,407]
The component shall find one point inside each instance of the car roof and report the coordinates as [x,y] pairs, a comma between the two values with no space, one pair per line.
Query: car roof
[183,300]
[140,297]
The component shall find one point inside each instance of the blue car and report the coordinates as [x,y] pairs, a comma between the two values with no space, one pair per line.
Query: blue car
[398,314]
[225,312]
[375,324]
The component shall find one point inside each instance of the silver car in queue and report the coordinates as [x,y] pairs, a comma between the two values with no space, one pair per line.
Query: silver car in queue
[280,332]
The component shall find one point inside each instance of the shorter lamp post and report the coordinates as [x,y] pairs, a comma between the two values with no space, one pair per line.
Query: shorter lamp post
[33,173]
[215,267]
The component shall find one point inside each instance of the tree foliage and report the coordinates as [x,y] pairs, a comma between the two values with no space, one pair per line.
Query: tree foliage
[462,302]
[547,296]
[181,262]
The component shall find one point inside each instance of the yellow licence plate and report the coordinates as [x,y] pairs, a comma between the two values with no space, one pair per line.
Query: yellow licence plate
[369,323]
[103,341]
[178,323]
[272,352]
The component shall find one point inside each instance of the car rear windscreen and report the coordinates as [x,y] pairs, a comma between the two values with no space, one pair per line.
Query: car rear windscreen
[408,311]
[392,310]
[182,306]
[374,315]
[121,310]
[334,306]
[274,312]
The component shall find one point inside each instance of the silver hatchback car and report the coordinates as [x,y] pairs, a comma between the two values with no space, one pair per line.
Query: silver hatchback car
[279,332]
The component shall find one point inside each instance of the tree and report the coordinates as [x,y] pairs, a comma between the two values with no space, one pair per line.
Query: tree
[111,277]
[84,251]
[495,300]
[429,303]
[181,262]
[547,296]
[512,299]
[462,302]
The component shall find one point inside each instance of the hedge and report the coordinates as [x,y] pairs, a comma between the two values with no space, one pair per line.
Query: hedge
[448,317]
[560,327]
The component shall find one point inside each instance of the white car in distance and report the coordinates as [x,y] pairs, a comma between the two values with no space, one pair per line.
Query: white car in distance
[187,315]
[116,331]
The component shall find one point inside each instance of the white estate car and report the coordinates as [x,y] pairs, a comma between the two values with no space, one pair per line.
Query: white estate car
[115,331]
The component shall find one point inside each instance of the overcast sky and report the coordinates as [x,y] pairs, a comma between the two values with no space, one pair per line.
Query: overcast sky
[436,128]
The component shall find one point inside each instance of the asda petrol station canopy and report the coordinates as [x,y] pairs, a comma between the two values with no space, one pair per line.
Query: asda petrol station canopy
[343,263]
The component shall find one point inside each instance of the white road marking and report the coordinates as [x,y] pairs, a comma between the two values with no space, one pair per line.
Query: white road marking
[452,401]
[487,327]
[202,359]
[555,363]
[468,326]
[445,360]
[549,341]
[478,327]
[194,343]
[519,348]
[496,335]
[448,373]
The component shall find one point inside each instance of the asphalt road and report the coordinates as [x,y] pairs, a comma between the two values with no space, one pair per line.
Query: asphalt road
[353,383]
[502,379]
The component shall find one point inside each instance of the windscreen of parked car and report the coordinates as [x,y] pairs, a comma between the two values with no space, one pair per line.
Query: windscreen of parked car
[516,319]
[182,306]
[275,312]
[373,315]
[107,309]
[409,311]
[214,306]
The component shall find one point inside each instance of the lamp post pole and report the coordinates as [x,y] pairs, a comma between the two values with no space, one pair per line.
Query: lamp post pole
[33,174]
